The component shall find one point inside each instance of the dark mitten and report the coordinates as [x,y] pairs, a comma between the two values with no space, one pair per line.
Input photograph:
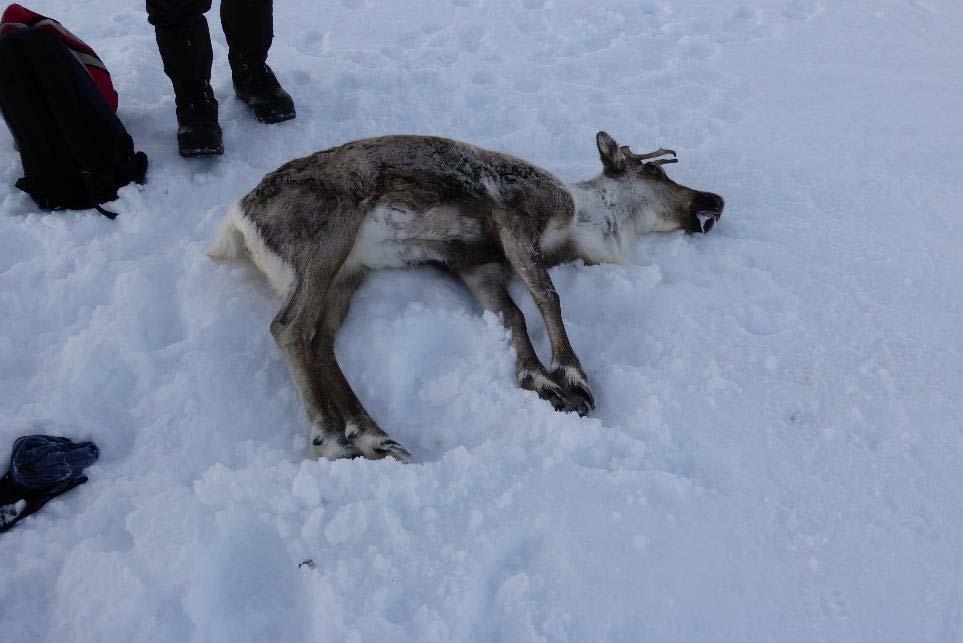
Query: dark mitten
[42,467]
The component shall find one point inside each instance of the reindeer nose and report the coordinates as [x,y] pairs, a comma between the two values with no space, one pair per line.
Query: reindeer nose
[708,202]
[706,208]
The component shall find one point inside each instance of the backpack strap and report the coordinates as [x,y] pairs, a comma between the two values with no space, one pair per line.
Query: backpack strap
[89,182]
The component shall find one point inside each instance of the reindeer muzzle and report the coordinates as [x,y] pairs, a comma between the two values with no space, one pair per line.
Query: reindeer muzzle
[707,209]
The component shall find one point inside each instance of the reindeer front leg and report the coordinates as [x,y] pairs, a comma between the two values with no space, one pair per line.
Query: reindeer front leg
[489,284]
[519,241]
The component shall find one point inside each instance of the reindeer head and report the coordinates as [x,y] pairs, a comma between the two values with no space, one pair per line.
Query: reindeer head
[648,196]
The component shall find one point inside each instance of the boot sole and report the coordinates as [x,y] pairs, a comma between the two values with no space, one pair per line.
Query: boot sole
[196,152]
[274,117]
[267,117]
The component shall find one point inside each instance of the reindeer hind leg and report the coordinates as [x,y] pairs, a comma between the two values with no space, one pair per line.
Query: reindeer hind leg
[291,329]
[362,432]
[316,256]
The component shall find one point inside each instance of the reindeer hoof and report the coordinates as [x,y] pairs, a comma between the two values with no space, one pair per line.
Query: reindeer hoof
[395,450]
[377,444]
[566,389]
[576,394]
[538,381]
[582,401]
[333,448]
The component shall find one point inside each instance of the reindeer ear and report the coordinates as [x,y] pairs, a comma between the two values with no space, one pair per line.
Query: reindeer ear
[612,157]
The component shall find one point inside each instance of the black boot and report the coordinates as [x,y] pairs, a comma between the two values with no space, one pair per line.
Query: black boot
[187,56]
[248,28]
[256,85]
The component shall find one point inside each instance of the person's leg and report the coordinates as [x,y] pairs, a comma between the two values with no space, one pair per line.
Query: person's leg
[249,28]
[184,42]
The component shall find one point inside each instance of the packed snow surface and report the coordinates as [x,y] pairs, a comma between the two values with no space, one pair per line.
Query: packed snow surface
[777,453]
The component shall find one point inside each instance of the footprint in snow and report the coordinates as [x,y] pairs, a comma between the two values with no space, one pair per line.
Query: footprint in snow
[834,605]
[926,7]
[697,47]
[745,23]
[801,9]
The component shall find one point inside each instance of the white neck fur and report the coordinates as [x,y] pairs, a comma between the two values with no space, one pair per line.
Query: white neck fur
[602,229]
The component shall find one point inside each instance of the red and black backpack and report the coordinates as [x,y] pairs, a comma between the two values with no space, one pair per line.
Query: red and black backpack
[58,100]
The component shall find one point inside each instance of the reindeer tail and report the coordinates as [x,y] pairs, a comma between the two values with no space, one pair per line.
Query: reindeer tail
[230,241]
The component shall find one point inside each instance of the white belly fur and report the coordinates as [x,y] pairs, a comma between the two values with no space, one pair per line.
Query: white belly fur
[394,237]
[389,237]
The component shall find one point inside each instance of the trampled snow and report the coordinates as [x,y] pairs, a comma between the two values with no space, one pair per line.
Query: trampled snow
[777,453]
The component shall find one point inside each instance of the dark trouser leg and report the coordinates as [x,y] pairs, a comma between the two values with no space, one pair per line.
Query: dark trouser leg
[249,28]
[172,14]
[184,42]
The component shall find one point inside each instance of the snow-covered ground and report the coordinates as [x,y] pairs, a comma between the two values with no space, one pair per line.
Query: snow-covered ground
[777,453]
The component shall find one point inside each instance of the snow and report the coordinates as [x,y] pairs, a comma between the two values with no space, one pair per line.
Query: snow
[777,449]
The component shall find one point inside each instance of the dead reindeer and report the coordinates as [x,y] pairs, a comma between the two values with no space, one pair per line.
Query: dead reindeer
[318,224]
